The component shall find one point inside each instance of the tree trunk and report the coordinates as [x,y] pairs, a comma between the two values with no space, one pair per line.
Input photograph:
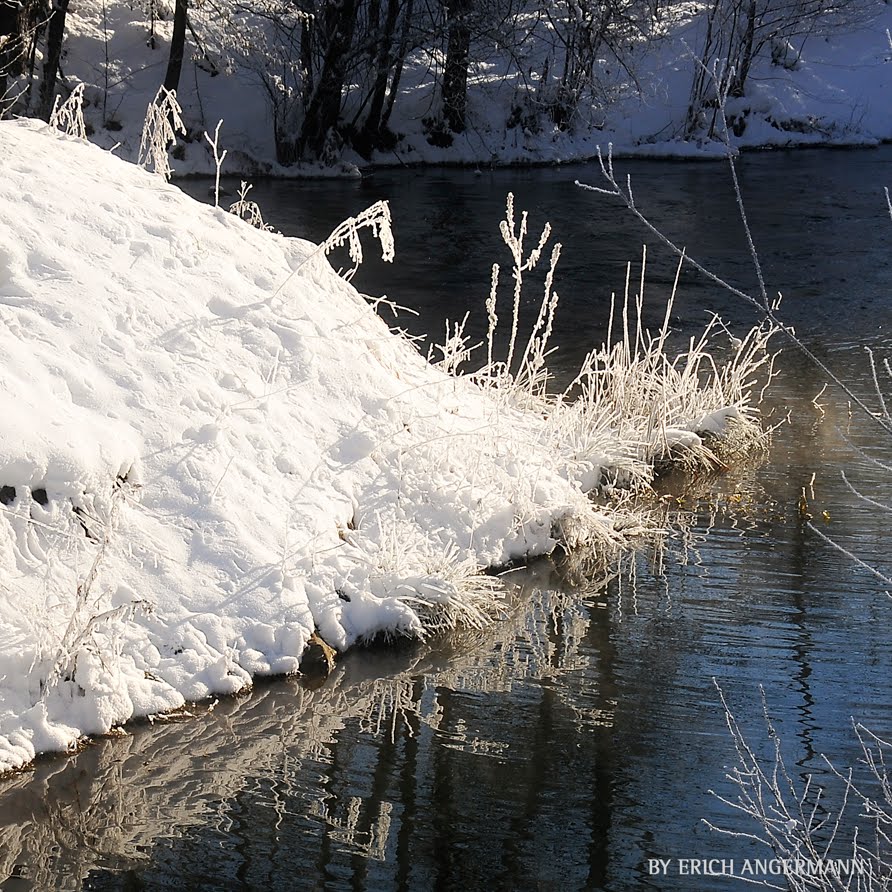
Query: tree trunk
[55,35]
[398,65]
[373,125]
[455,75]
[177,46]
[306,51]
[10,46]
[701,66]
[324,108]
[10,36]
[745,56]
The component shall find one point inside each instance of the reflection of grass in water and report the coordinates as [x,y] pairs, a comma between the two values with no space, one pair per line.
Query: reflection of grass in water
[734,495]
[104,807]
[681,503]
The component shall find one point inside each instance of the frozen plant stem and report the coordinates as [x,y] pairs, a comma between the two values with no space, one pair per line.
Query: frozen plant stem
[523,374]
[514,238]
[68,116]
[629,401]
[78,627]
[163,122]
[795,819]
[218,159]
[248,210]
[376,217]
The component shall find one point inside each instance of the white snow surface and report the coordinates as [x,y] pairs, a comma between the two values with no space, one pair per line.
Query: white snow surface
[215,448]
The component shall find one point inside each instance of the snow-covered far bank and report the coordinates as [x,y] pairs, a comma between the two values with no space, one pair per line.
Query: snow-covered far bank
[828,84]
[213,447]
[831,89]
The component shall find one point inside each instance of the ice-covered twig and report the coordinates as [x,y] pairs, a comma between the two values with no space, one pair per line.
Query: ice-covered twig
[377,218]
[68,116]
[162,124]
[797,820]
[852,557]
[248,210]
[218,160]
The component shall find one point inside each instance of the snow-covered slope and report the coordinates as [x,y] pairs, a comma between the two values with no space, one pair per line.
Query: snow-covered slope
[212,446]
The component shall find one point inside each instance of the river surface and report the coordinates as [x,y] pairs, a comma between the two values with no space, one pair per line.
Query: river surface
[566,747]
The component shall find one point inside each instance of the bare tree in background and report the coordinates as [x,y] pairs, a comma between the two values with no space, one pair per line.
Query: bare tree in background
[11,47]
[388,25]
[455,73]
[55,36]
[334,31]
[583,30]
[737,32]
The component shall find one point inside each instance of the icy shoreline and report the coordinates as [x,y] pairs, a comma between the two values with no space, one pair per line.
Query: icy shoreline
[717,155]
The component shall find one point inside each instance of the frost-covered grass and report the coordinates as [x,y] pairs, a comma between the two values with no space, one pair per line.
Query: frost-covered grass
[213,448]
[664,405]
[637,403]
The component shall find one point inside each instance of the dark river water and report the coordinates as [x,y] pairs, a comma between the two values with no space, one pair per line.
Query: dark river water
[567,746]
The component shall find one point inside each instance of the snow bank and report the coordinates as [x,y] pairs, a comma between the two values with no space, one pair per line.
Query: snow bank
[212,447]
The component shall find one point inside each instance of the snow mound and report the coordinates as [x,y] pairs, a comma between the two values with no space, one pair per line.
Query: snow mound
[212,447]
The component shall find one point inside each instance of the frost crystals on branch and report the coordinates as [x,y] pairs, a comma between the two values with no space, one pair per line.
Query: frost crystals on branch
[159,133]
[244,208]
[377,218]
[523,372]
[767,308]
[533,360]
[68,116]
[824,843]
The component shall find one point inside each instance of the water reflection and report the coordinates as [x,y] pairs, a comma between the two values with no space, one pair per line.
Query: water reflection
[818,217]
[423,766]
